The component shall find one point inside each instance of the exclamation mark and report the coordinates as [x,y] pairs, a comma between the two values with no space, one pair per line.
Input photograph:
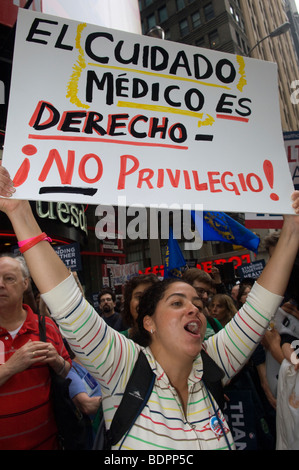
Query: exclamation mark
[269,173]
[22,173]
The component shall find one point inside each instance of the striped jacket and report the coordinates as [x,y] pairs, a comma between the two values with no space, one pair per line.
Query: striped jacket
[110,357]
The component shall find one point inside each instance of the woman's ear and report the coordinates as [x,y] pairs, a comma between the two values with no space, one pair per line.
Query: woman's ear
[148,324]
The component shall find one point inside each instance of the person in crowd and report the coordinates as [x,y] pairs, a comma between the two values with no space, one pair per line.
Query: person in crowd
[243,293]
[253,378]
[203,284]
[281,363]
[26,415]
[107,301]
[234,293]
[222,308]
[171,318]
[133,290]
[86,394]
[284,329]
[219,285]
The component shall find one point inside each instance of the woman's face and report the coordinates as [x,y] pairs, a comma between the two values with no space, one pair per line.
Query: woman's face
[245,294]
[136,294]
[218,310]
[178,323]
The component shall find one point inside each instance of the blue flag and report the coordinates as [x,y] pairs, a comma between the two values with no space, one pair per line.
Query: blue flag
[174,260]
[218,226]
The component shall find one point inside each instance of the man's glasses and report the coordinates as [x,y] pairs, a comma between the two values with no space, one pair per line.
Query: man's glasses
[201,292]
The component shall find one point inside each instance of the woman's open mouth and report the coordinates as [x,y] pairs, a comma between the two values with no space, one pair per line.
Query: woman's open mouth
[193,327]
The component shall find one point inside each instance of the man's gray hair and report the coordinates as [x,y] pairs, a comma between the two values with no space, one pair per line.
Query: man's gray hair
[21,261]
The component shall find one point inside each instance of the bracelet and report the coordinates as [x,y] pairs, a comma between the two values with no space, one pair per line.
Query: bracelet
[24,245]
[62,368]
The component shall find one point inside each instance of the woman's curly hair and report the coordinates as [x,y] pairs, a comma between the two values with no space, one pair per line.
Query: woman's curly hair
[129,287]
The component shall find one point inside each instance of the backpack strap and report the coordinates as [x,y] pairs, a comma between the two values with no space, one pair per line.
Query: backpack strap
[212,377]
[42,328]
[136,395]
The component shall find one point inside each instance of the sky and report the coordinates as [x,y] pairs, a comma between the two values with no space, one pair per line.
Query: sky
[297,4]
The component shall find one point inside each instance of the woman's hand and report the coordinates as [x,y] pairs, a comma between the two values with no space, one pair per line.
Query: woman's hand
[295,205]
[6,191]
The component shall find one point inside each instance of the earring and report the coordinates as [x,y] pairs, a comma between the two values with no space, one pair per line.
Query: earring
[152,331]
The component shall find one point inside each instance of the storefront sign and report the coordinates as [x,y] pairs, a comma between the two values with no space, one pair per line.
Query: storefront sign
[71,214]
[204,265]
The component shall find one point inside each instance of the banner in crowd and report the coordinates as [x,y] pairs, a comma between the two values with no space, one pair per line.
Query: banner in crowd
[121,273]
[240,415]
[252,270]
[102,116]
[70,255]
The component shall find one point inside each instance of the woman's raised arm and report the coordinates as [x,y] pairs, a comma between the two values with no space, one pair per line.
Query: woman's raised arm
[276,273]
[46,268]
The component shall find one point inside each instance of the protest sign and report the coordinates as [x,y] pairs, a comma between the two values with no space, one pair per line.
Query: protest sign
[121,273]
[102,116]
[259,220]
[70,255]
[252,270]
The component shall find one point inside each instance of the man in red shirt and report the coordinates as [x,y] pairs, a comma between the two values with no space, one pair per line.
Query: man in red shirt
[26,415]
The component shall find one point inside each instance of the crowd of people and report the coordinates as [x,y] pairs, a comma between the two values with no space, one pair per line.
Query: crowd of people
[174,322]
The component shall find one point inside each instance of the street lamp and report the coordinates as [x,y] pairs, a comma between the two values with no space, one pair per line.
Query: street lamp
[156,32]
[282,29]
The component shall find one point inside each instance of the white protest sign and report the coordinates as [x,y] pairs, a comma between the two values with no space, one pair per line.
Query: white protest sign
[102,116]
[121,273]
[259,220]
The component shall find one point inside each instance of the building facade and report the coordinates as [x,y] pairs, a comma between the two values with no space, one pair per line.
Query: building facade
[261,18]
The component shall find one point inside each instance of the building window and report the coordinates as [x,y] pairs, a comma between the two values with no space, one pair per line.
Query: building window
[162,14]
[151,21]
[184,28]
[168,35]
[209,12]
[214,39]
[180,4]
[200,42]
[147,2]
[195,17]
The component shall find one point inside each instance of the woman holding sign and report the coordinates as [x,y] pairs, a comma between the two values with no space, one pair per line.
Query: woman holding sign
[181,413]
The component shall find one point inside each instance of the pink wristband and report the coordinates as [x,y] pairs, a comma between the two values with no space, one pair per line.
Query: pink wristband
[24,245]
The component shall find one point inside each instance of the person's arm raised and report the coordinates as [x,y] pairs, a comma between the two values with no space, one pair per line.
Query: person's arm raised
[276,273]
[45,266]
